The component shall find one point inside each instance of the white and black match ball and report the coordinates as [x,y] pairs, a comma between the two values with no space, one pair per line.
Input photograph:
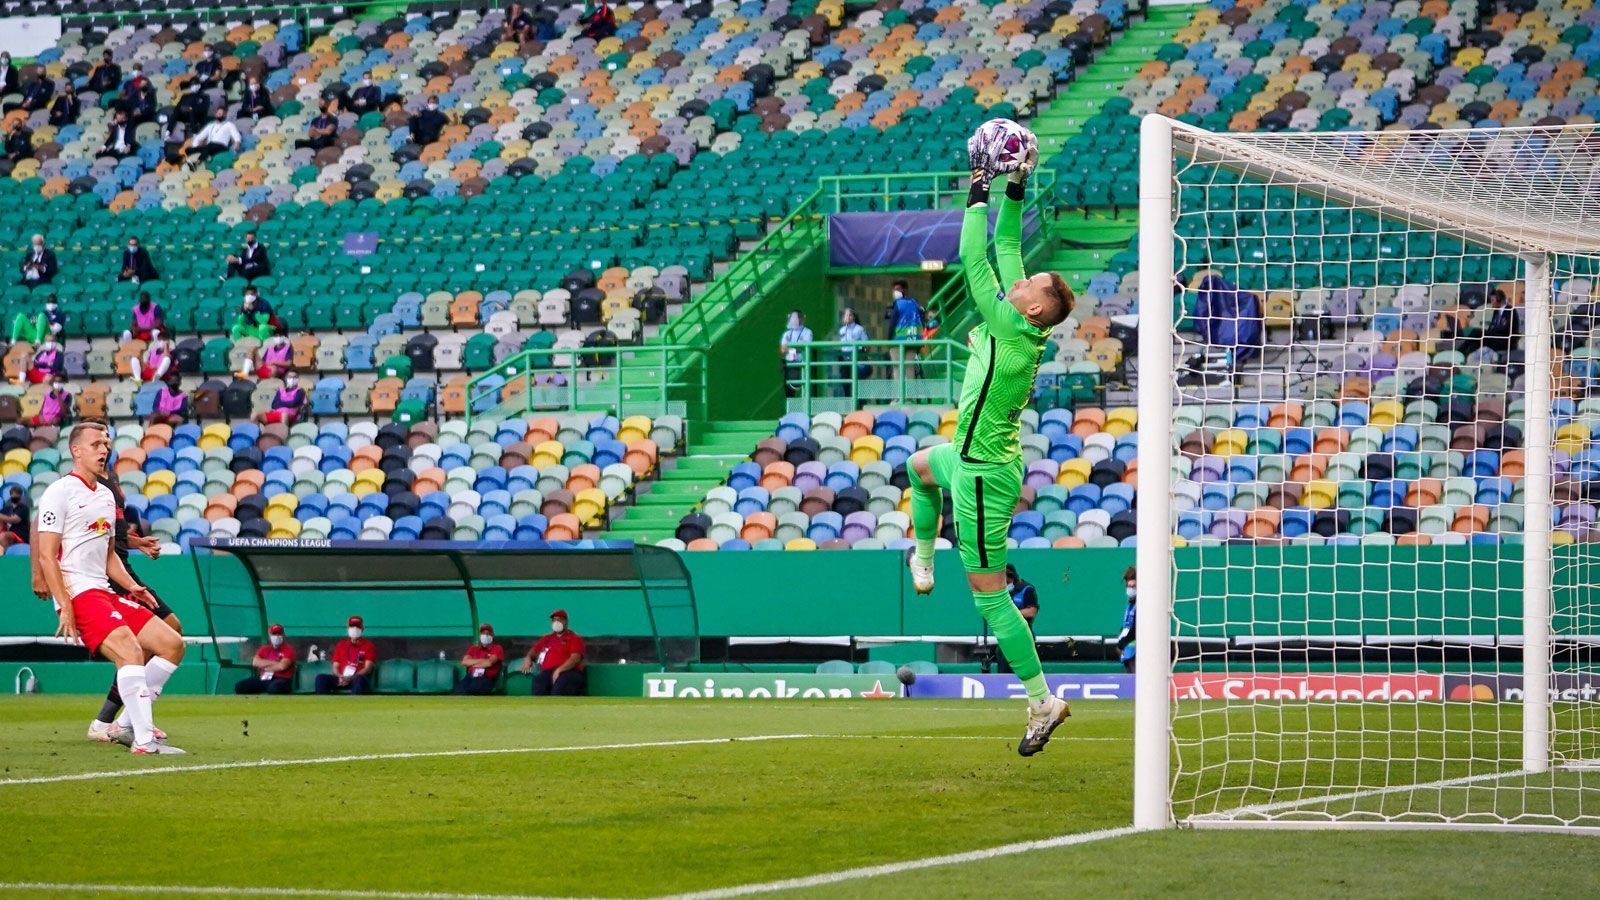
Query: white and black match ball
[1003,142]
[906,676]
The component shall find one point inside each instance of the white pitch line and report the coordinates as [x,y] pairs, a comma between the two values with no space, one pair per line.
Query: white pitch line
[225,890]
[325,760]
[910,865]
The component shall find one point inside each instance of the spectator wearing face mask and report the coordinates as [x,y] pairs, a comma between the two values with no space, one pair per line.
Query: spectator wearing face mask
[19,140]
[250,262]
[1026,598]
[796,333]
[428,124]
[38,263]
[274,665]
[211,73]
[148,318]
[354,661]
[55,408]
[218,136]
[44,325]
[136,264]
[1130,581]
[256,102]
[8,74]
[904,315]
[255,318]
[16,518]
[154,363]
[48,363]
[851,332]
[559,656]
[288,403]
[172,402]
[105,76]
[273,360]
[367,97]
[483,663]
[67,107]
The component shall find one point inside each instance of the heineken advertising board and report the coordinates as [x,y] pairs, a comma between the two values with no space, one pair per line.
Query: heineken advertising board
[749,686]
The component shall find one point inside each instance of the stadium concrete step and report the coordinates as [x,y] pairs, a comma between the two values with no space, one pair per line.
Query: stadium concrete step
[714,448]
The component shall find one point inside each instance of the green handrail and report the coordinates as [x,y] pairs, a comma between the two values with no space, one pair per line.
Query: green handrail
[854,374]
[629,380]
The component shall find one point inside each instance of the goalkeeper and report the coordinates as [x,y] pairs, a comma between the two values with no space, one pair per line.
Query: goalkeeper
[982,468]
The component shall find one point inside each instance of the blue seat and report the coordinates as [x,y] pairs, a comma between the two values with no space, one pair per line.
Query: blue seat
[1065,447]
[1388,492]
[744,475]
[751,500]
[825,526]
[890,423]
[1295,522]
[531,527]
[1193,523]
[898,449]
[1027,524]
[1117,498]
[842,475]
[1083,498]
[794,426]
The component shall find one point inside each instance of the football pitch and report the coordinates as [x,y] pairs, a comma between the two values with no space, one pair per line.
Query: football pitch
[509,797]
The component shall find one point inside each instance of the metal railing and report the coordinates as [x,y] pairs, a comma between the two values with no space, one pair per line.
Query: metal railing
[635,379]
[848,375]
[914,191]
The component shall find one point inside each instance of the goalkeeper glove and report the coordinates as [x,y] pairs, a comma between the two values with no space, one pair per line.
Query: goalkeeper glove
[1030,161]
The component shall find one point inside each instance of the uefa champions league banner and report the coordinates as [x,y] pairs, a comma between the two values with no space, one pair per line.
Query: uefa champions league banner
[1110,686]
[901,238]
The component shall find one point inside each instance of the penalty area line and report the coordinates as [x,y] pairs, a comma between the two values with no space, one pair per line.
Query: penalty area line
[367,757]
[48,887]
[910,865]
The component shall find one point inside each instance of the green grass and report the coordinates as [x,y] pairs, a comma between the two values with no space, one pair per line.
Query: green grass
[879,782]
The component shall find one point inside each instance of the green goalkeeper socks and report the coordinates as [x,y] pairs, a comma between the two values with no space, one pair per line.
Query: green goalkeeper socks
[1011,632]
[926,504]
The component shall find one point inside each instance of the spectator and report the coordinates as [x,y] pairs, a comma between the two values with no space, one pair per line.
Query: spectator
[1504,327]
[211,74]
[256,102]
[106,76]
[55,408]
[156,362]
[598,21]
[8,74]
[288,404]
[483,662]
[148,319]
[138,98]
[274,665]
[796,333]
[192,111]
[519,27]
[119,139]
[172,402]
[38,263]
[38,94]
[48,364]
[219,136]
[324,127]
[1026,598]
[67,108]
[851,332]
[136,264]
[559,656]
[353,662]
[904,315]
[251,261]
[367,97]
[19,140]
[1125,638]
[40,327]
[272,360]
[427,125]
[15,518]
[255,318]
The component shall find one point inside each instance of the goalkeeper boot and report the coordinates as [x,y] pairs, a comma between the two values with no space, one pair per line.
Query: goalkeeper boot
[921,573]
[1043,719]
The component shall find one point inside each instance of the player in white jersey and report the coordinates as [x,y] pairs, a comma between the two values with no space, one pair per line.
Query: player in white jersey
[76,520]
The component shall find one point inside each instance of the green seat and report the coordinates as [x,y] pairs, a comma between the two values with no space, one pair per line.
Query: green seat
[436,676]
[835,667]
[398,366]
[876,667]
[397,676]
[305,675]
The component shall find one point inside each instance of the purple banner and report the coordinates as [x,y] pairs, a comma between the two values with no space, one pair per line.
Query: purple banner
[1111,686]
[901,238]
[1570,687]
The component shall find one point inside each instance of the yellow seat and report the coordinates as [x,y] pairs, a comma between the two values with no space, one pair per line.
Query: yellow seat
[215,435]
[285,529]
[1386,414]
[634,428]
[865,449]
[1121,420]
[801,544]
[1231,442]
[1074,473]
[947,424]
[547,454]
[160,482]
[1320,495]
[1572,437]
[589,505]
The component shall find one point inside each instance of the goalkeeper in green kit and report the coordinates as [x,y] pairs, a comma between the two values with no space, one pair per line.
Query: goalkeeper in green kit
[982,467]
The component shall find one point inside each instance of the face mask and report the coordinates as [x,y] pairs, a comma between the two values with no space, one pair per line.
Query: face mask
[254,85]
[277,640]
[38,247]
[794,321]
[433,106]
[50,306]
[57,386]
[133,246]
[557,626]
[485,639]
[367,81]
[1132,592]
[354,633]
[899,295]
[290,383]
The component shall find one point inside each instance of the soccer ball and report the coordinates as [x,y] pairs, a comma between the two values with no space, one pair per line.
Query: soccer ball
[1003,143]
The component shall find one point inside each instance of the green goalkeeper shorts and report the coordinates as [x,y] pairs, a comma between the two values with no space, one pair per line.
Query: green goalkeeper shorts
[984,496]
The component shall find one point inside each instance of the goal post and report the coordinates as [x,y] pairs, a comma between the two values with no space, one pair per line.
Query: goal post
[1367,499]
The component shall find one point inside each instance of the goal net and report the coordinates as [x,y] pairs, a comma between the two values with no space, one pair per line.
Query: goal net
[1371,431]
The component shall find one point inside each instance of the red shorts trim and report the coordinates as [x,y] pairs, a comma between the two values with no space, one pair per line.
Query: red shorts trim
[99,612]
[286,416]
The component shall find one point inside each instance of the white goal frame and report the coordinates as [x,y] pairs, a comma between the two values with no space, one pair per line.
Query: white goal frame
[1161,139]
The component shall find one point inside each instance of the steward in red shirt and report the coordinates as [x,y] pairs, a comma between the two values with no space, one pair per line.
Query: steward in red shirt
[355,660]
[559,656]
[274,665]
[483,661]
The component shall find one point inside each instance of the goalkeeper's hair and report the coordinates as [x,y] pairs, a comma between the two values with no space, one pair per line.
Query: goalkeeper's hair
[1061,302]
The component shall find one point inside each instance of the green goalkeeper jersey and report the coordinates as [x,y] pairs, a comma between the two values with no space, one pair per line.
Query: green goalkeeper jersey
[1006,347]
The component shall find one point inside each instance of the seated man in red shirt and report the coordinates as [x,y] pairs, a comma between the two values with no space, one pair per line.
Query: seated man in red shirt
[559,655]
[354,659]
[483,662]
[274,665]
